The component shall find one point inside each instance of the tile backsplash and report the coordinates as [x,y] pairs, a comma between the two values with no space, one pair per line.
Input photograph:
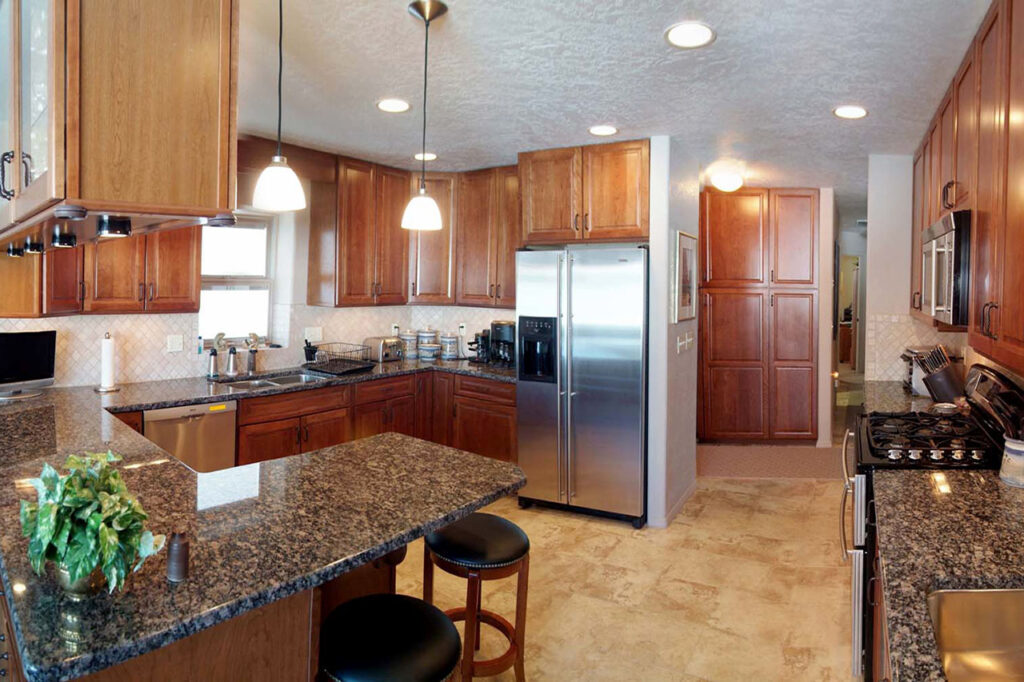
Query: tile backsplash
[888,335]
[142,339]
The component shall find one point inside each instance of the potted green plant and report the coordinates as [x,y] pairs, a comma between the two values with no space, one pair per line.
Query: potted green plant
[86,523]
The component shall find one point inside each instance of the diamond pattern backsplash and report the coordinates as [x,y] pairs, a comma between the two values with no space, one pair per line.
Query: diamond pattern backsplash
[142,353]
[887,336]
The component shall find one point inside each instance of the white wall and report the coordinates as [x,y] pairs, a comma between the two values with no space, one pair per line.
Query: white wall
[672,374]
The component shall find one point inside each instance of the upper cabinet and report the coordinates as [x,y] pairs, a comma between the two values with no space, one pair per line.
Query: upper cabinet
[432,254]
[794,237]
[965,154]
[393,191]
[595,192]
[920,210]
[734,232]
[489,223]
[105,97]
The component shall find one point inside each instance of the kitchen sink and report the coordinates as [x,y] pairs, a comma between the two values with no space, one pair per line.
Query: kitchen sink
[979,633]
[293,379]
[252,384]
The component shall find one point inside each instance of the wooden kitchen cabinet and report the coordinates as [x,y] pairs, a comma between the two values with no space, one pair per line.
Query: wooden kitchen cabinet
[965,157]
[78,140]
[935,172]
[734,237]
[794,237]
[173,275]
[880,660]
[793,367]
[133,419]
[269,440]
[20,282]
[489,223]
[916,225]
[10,661]
[597,192]
[115,275]
[392,192]
[324,429]
[485,428]
[432,254]
[424,406]
[443,408]
[946,181]
[396,414]
[63,281]
[355,259]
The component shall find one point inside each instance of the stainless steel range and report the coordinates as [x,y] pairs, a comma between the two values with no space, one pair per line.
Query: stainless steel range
[922,439]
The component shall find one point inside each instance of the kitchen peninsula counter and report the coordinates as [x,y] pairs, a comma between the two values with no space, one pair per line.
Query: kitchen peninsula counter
[259,533]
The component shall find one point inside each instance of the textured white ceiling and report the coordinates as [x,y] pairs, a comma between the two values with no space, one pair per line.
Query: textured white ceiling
[531,74]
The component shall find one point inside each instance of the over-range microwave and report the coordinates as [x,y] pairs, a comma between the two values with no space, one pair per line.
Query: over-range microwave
[945,269]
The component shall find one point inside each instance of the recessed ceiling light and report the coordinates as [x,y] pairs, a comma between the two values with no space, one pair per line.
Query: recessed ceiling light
[689,35]
[850,111]
[603,130]
[428,156]
[393,105]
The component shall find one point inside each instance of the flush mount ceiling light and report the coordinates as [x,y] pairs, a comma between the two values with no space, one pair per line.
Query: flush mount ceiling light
[422,212]
[850,111]
[725,175]
[62,239]
[425,156]
[689,35]
[278,188]
[603,130]
[393,105]
[113,227]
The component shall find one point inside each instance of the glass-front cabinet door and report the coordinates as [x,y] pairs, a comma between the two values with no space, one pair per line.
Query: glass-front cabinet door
[8,169]
[39,136]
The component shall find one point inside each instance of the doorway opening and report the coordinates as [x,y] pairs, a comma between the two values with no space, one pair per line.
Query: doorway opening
[848,332]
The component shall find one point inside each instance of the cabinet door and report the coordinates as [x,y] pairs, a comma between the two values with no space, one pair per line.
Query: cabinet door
[476,238]
[988,218]
[946,184]
[794,237]
[735,380]
[10,662]
[551,185]
[485,428]
[432,254]
[269,440]
[8,77]
[916,225]
[965,94]
[793,353]
[935,171]
[40,149]
[173,276]
[507,230]
[424,406]
[20,284]
[393,193]
[734,237]
[115,271]
[616,190]
[401,415]
[369,419]
[62,281]
[324,429]
[324,261]
[356,233]
[443,408]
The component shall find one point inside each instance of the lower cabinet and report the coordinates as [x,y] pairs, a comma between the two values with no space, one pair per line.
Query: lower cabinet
[880,665]
[132,419]
[269,440]
[425,406]
[10,665]
[324,429]
[485,428]
[443,412]
[396,414]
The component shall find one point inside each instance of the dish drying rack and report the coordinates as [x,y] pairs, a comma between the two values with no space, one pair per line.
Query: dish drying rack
[340,358]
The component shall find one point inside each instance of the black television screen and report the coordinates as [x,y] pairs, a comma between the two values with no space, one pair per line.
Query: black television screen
[27,356]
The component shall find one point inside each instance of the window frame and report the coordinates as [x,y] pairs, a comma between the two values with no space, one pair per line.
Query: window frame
[247,220]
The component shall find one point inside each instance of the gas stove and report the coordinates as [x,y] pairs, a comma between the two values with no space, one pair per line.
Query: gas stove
[925,440]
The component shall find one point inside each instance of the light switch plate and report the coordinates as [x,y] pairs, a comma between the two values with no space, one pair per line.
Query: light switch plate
[175,343]
[313,334]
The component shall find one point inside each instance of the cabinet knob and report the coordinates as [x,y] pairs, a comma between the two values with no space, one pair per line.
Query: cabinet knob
[586,222]
[499,291]
[142,291]
[576,223]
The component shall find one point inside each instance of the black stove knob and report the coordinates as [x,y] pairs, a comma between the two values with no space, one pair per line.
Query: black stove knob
[936,455]
[959,455]
[915,454]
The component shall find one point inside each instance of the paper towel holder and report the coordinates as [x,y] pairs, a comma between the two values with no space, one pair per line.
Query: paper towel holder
[106,389]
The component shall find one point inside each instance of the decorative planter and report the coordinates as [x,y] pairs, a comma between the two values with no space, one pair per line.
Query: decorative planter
[81,588]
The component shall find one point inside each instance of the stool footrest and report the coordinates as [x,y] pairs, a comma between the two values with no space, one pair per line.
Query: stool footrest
[499,664]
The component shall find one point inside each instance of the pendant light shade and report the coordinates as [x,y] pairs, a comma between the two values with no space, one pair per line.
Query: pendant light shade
[278,188]
[422,212]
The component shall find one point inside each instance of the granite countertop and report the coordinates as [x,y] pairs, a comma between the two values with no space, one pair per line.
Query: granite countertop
[971,537]
[258,533]
[891,396]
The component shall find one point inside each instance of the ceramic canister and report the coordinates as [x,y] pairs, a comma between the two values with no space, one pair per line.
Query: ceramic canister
[409,345]
[426,336]
[429,351]
[1012,470]
[449,346]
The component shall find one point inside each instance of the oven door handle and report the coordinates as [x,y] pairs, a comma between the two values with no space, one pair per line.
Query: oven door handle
[842,453]
[842,525]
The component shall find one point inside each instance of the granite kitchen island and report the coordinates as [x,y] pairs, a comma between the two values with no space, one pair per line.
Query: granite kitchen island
[264,538]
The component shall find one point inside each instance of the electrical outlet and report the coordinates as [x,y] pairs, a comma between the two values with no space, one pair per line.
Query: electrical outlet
[313,334]
[175,343]
[462,328]
[394,329]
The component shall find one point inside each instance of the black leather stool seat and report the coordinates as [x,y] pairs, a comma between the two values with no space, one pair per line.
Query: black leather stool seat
[480,541]
[388,637]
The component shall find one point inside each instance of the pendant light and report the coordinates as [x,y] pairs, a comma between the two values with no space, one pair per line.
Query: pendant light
[422,212]
[278,188]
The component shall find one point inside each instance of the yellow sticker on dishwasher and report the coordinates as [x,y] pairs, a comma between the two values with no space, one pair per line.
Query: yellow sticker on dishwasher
[218,408]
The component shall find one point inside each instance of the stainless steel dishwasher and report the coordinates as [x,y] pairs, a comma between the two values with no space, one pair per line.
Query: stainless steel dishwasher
[201,436]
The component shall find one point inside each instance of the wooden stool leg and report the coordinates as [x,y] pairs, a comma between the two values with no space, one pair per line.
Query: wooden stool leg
[469,645]
[479,608]
[428,576]
[522,582]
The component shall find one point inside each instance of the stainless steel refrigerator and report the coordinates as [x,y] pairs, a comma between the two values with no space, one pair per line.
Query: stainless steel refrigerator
[582,377]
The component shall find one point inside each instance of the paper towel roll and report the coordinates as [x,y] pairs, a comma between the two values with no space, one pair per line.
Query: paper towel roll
[107,362]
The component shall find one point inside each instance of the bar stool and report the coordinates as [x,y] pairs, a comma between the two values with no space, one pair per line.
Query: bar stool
[385,637]
[482,547]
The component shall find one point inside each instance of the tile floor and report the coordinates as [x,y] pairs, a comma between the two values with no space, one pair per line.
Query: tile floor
[746,584]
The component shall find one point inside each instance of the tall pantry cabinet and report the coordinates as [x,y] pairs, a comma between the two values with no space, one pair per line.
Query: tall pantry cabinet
[759,314]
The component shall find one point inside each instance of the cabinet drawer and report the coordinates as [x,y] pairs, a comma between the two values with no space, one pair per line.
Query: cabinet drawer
[287,405]
[383,389]
[485,389]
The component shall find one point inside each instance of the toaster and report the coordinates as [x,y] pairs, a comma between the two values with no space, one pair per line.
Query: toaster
[384,348]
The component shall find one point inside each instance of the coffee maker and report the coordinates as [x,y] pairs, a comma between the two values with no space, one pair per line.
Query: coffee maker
[503,343]
[481,345]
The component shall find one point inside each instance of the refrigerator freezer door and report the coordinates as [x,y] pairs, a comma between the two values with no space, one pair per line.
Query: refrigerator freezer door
[540,406]
[607,407]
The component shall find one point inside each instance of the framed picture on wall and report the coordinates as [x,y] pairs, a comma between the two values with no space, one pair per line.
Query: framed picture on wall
[686,277]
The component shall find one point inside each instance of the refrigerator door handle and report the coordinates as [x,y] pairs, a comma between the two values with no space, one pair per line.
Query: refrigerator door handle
[570,491]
